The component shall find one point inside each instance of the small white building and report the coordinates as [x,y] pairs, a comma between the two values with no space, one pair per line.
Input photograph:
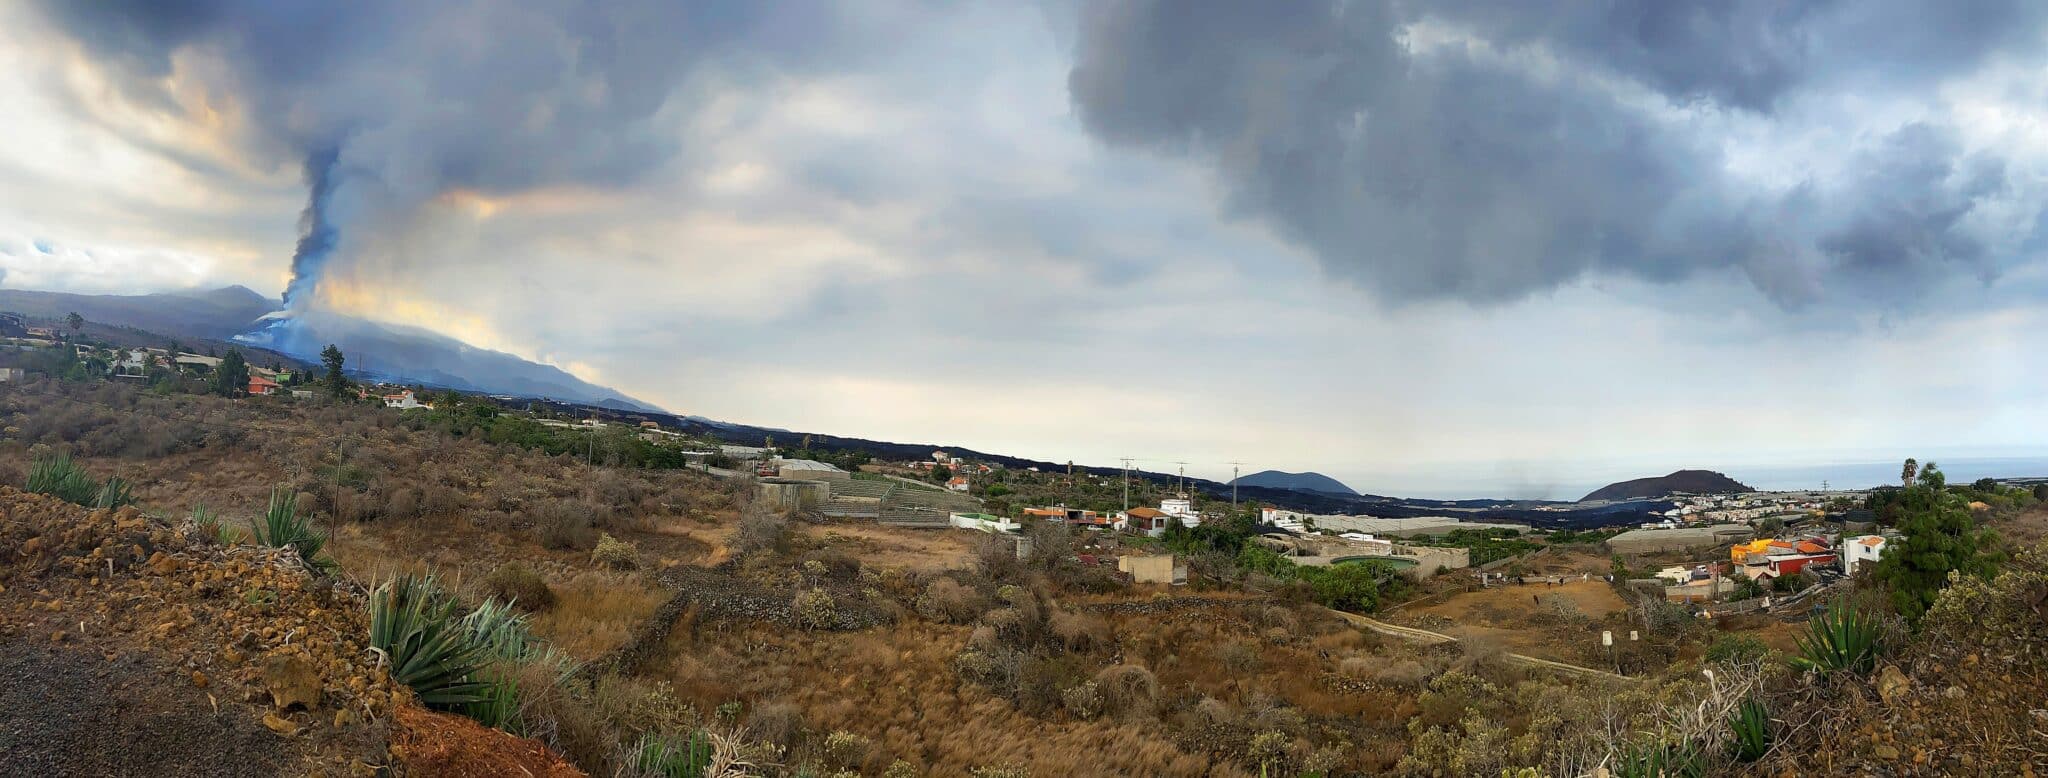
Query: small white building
[1182,509]
[1367,544]
[985,522]
[1857,551]
[404,401]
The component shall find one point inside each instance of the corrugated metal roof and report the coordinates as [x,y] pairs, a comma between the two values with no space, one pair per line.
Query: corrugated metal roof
[805,464]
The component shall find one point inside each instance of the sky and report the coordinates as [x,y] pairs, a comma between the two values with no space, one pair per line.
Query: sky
[1445,248]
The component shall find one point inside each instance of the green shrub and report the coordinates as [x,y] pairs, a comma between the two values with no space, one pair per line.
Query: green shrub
[815,609]
[1733,649]
[615,553]
[1843,638]
[519,585]
[846,750]
[428,646]
[63,479]
[1751,725]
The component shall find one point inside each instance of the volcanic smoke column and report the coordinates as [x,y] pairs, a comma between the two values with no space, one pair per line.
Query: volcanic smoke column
[318,234]
[318,231]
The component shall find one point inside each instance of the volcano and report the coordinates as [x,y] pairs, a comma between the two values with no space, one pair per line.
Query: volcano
[408,355]
[413,355]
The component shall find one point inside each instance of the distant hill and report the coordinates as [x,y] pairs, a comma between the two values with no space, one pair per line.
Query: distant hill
[215,314]
[1683,481]
[1300,482]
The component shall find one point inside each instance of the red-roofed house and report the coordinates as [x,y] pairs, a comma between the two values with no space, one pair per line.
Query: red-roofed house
[1150,521]
[258,385]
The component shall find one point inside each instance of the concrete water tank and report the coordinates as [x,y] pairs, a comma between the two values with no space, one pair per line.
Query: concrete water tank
[792,494]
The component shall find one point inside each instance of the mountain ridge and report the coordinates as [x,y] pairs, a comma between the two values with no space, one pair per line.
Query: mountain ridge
[380,351]
[1301,482]
[1680,481]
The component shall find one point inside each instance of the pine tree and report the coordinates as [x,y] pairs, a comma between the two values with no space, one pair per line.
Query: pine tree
[337,384]
[1940,537]
[231,379]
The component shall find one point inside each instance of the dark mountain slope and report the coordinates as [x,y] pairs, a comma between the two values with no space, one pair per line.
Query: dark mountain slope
[397,354]
[1683,481]
[1301,482]
[217,314]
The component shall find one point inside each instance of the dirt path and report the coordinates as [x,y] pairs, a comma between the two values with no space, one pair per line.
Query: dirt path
[68,711]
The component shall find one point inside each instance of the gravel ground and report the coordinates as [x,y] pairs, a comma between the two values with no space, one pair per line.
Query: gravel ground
[68,711]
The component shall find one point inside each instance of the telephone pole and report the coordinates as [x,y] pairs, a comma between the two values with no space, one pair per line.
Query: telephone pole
[1233,485]
[1183,478]
[1127,484]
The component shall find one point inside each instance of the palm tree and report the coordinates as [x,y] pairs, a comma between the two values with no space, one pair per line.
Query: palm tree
[1909,472]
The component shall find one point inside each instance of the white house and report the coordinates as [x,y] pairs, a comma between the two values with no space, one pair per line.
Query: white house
[404,401]
[1181,508]
[135,362]
[1272,515]
[1856,551]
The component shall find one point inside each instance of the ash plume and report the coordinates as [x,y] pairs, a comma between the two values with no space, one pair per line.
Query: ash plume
[387,105]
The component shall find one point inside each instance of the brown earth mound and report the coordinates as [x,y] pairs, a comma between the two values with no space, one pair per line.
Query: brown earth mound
[133,648]
[451,746]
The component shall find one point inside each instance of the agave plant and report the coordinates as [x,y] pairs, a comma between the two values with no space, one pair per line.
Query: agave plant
[283,527]
[498,705]
[114,494]
[63,479]
[421,633]
[1843,638]
[1660,760]
[1751,725]
[210,525]
[673,757]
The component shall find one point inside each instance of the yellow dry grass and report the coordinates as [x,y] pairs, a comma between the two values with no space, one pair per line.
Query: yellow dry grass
[595,611]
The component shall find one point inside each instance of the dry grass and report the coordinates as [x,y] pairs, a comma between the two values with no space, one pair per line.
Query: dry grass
[594,612]
[917,550]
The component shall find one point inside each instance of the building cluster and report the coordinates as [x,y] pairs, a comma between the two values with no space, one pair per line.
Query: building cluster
[1738,508]
[1764,560]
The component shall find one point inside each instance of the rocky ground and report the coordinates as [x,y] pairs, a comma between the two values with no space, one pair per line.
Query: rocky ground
[130,647]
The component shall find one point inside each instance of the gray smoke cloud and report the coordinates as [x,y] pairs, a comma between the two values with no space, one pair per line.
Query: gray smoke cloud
[1486,151]
[387,104]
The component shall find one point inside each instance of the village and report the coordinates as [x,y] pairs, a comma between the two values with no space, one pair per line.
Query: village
[1761,561]
[1716,554]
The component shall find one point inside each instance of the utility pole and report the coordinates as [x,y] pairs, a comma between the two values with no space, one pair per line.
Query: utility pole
[1233,485]
[1183,478]
[1127,484]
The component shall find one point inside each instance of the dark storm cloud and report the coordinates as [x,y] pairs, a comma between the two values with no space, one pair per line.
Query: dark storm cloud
[1522,147]
[1921,188]
[389,103]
